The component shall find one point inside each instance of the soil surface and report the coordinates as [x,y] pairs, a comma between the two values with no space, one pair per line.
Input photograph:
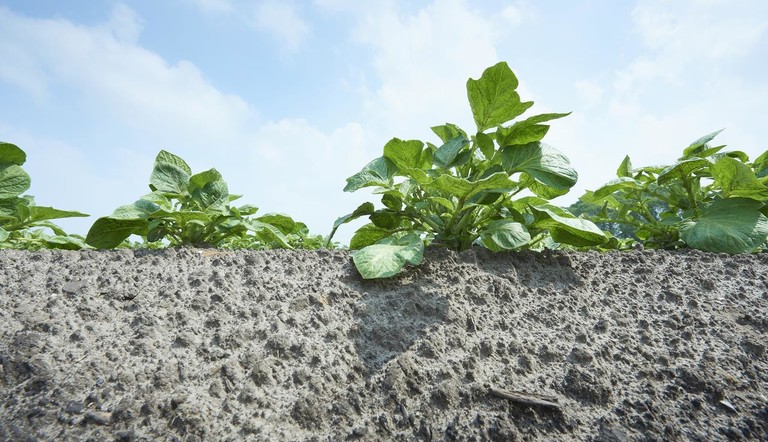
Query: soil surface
[192,345]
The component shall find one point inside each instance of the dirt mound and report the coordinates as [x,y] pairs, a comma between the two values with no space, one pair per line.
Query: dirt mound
[191,345]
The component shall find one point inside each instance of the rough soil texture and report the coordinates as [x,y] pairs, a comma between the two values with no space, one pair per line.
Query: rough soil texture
[194,345]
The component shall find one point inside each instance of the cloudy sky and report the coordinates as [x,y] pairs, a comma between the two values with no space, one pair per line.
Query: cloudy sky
[287,98]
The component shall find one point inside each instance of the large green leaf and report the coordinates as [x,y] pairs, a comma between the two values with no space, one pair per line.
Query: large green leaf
[170,174]
[208,189]
[404,154]
[567,229]
[493,98]
[367,235]
[542,162]
[284,223]
[140,209]
[682,170]
[387,257]
[616,184]
[737,179]
[463,188]
[168,158]
[13,181]
[527,131]
[108,233]
[733,225]
[12,154]
[504,234]
[445,155]
[39,213]
[378,172]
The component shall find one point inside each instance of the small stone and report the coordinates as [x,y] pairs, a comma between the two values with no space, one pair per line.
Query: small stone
[99,417]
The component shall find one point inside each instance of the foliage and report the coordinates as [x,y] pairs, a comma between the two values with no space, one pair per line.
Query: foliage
[194,209]
[709,200]
[23,224]
[460,193]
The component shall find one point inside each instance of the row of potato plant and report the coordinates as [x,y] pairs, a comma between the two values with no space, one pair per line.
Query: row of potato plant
[490,189]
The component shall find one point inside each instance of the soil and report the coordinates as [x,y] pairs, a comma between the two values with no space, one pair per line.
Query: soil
[192,345]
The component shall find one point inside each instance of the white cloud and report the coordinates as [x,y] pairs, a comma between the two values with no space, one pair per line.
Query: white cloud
[690,35]
[280,19]
[148,104]
[590,92]
[422,61]
[136,86]
[125,25]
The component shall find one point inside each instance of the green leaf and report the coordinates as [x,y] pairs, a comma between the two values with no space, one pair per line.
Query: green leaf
[616,184]
[404,154]
[695,148]
[446,154]
[9,207]
[378,172]
[363,210]
[392,200]
[247,209]
[268,233]
[493,98]
[682,170]
[465,189]
[367,235]
[4,234]
[170,174]
[504,234]
[140,209]
[39,213]
[182,218]
[733,225]
[761,165]
[486,145]
[13,181]
[387,257]
[108,233]
[545,164]
[567,229]
[542,190]
[169,158]
[387,219]
[448,131]
[737,179]
[284,223]
[208,189]
[625,168]
[64,242]
[12,154]
[448,204]
[526,131]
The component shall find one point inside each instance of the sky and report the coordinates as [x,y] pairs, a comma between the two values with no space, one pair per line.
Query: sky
[287,98]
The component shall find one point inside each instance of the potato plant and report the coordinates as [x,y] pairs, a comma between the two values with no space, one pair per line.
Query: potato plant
[465,190]
[708,200]
[24,225]
[187,209]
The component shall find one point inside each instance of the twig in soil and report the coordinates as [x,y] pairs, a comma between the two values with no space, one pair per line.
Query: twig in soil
[525,398]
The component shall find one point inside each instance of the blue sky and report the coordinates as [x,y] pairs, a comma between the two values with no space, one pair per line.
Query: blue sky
[288,98]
